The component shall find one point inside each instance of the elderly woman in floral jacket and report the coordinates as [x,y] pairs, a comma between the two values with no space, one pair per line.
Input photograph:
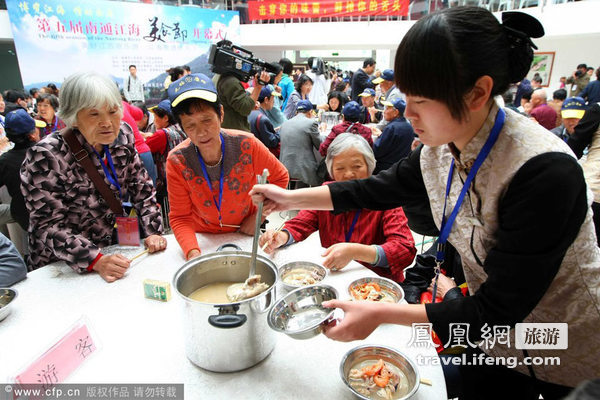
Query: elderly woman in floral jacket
[69,219]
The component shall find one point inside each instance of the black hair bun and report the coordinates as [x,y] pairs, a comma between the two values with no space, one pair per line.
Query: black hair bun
[520,28]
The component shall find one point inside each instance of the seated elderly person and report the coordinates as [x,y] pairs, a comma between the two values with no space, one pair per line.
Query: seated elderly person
[380,240]
[351,114]
[395,142]
[210,174]
[571,113]
[47,107]
[69,219]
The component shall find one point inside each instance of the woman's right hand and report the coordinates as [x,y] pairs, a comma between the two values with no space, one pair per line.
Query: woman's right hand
[274,198]
[274,238]
[112,267]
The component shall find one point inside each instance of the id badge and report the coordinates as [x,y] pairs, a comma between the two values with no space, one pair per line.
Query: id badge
[128,231]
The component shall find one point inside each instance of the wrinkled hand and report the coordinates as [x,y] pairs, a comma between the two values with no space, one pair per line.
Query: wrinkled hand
[277,89]
[444,284]
[248,224]
[155,243]
[275,240]
[274,197]
[112,267]
[338,256]
[360,320]
[146,135]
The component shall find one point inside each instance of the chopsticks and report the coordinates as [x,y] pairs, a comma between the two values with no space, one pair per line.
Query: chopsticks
[138,255]
[276,231]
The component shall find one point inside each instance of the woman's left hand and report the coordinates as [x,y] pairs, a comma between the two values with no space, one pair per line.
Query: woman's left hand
[338,256]
[155,243]
[360,320]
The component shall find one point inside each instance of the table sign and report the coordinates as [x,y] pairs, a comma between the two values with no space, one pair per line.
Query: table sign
[64,357]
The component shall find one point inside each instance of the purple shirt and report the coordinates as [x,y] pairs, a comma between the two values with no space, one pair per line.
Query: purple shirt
[545,115]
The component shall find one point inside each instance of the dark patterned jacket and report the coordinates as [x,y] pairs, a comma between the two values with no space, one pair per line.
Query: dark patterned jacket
[69,219]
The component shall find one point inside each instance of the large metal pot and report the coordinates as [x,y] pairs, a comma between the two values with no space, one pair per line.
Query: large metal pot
[233,336]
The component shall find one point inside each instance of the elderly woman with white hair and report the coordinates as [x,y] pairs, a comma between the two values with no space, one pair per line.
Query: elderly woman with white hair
[380,240]
[72,217]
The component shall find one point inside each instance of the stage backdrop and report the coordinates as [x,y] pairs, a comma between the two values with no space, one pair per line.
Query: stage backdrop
[54,38]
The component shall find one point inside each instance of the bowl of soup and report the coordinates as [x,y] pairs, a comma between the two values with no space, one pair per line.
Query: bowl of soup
[301,273]
[379,373]
[377,289]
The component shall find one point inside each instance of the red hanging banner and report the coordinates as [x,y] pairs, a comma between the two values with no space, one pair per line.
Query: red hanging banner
[264,10]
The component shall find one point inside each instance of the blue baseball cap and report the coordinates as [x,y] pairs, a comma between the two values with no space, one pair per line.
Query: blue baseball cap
[386,75]
[163,105]
[193,86]
[21,123]
[352,110]
[367,92]
[573,107]
[397,103]
[304,106]
[267,92]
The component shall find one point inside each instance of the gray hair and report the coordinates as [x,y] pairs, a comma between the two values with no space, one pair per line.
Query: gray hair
[346,141]
[87,90]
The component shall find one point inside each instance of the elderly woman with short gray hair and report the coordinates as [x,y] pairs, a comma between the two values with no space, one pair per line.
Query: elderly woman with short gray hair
[78,181]
[380,240]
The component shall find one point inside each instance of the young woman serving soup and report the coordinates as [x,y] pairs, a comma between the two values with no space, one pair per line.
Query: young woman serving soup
[507,195]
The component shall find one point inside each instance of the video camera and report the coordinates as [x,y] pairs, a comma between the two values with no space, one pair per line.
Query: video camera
[227,58]
[320,67]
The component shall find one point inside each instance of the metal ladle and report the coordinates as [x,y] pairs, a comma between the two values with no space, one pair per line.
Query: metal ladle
[238,291]
[261,181]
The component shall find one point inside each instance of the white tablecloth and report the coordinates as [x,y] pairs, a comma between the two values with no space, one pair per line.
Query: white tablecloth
[141,340]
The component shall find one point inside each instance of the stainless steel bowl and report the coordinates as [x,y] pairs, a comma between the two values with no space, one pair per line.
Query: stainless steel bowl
[387,354]
[318,272]
[386,284]
[300,314]
[7,298]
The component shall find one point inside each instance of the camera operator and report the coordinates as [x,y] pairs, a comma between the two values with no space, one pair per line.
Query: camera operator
[578,80]
[320,76]
[237,104]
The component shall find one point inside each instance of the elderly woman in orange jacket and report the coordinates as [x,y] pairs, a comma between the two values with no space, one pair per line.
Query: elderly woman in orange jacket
[210,174]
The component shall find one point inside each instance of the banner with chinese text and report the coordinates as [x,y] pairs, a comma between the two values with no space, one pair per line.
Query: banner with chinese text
[55,38]
[262,10]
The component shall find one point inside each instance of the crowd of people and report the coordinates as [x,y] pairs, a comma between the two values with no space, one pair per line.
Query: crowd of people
[408,146]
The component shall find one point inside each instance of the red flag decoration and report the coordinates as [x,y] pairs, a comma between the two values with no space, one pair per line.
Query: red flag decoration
[264,10]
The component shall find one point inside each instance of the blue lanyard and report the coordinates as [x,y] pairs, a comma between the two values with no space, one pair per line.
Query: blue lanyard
[352,225]
[447,223]
[112,174]
[205,172]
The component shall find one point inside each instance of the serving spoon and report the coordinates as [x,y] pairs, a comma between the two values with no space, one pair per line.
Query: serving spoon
[235,291]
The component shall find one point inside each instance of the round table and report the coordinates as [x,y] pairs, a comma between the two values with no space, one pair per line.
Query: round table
[141,340]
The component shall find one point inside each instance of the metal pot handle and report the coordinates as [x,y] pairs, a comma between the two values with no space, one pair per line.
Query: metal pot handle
[227,321]
[224,246]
